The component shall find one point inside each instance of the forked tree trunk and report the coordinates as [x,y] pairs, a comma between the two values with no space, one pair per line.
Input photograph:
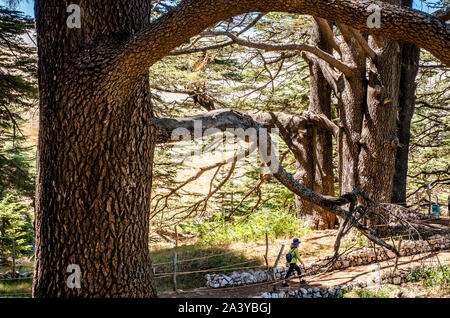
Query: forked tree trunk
[96,129]
[410,67]
[95,157]
[368,112]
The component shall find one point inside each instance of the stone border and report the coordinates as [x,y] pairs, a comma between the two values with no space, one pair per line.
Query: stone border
[362,256]
[333,292]
[17,275]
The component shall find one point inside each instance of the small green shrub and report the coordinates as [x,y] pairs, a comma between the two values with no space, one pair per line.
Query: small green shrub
[433,277]
[382,292]
[19,288]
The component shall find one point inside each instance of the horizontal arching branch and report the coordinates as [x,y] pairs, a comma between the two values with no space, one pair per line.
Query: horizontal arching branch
[191,17]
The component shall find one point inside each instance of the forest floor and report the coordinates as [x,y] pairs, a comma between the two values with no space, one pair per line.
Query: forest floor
[333,278]
[315,244]
[319,244]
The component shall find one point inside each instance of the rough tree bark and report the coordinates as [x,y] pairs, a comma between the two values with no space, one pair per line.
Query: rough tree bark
[379,141]
[316,171]
[410,67]
[96,133]
[95,158]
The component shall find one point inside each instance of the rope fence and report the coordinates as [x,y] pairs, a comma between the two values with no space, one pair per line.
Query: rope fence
[208,256]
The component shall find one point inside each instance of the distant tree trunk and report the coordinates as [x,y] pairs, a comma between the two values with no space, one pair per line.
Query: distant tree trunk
[304,163]
[316,168]
[379,141]
[351,105]
[378,137]
[368,111]
[95,157]
[410,67]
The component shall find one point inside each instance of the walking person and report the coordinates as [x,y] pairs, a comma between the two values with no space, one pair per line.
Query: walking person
[292,258]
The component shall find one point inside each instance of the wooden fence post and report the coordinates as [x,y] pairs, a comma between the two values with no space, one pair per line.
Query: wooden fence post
[276,262]
[14,257]
[176,236]
[429,198]
[267,251]
[175,260]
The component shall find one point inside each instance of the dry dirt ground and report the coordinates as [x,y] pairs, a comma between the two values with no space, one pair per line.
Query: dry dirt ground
[325,280]
[315,245]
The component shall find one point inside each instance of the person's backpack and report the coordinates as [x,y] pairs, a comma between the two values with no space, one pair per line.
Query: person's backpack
[288,257]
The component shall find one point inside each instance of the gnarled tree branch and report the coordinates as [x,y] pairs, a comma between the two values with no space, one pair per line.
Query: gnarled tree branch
[223,119]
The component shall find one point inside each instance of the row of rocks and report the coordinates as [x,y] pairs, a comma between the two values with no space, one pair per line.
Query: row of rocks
[16,275]
[314,292]
[336,291]
[366,255]
[241,278]
[362,256]
[421,216]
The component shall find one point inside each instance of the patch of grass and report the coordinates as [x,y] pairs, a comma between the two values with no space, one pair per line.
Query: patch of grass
[251,228]
[382,292]
[16,288]
[23,268]
[194,258]
[433,277]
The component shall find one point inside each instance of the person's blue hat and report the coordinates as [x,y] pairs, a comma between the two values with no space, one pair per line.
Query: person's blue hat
[296,241]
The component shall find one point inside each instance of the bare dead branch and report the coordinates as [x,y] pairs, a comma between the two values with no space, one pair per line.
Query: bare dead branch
[344,68]
[364,45]
[328,32]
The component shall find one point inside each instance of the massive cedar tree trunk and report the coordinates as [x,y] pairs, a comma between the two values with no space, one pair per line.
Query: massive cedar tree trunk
[95,156]
[315,168]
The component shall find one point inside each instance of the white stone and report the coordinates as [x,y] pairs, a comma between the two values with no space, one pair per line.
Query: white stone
[227,278]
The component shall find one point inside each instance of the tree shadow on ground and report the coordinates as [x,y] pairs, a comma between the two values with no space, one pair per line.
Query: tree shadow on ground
[195,261]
